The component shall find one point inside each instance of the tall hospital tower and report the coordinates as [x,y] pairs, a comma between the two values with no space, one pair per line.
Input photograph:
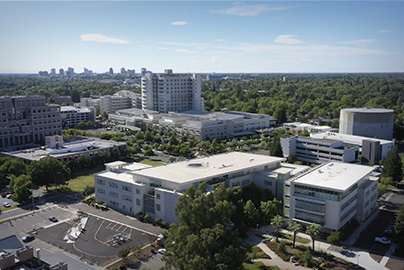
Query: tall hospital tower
[169,92]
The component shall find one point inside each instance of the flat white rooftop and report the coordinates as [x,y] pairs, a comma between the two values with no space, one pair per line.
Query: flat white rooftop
[71,148]
[203,168]
[368,110]
[351,139]
[336,176]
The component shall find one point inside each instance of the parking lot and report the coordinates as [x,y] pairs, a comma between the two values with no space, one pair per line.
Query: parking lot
[376,228]
[96,243]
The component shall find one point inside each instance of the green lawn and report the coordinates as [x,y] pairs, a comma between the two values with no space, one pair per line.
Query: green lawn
[77,184]
[83,177]
[152,162]
[298,239]
[258,266]
[5,209]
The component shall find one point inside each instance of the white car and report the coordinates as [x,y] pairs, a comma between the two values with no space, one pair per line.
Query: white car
[161,250]
[382,240]
[6,204]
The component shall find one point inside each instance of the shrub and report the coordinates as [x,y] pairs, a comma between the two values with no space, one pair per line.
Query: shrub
[157,221]
[281,247]
[147,218]
[165,224]
[88,190]
[123,253]
[307,258]
[334,238]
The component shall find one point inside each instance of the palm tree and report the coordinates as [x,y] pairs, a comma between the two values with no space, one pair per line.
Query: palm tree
[277,222]
[295,228]
[313,230]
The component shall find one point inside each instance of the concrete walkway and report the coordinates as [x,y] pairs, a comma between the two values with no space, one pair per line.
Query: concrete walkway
[355,256]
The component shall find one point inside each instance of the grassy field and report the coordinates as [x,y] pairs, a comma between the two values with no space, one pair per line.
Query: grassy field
[152,162]
[82,178]
[298,239]
[77,184]
[259,266]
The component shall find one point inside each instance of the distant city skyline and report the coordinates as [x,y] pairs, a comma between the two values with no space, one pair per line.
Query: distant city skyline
[202,36]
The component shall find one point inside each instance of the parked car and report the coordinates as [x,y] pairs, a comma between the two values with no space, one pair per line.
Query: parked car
[389,230]
[28,238]
[53,219]
[8,196]
[382,240]
[161,250]
[6,204]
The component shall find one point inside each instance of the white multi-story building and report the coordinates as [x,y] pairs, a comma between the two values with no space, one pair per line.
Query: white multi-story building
[317,151]
[26,120]
[67,151]
[132,188]
[121,100]
[371,150]
[71,116]
[206,125]
[331,195]
[90,102]
[169,92]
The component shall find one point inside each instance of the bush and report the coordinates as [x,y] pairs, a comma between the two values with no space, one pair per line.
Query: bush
[157,221]
[334,238]
[307,258]
[281,247]
[88,190]
[123,253]
[147,218]
[165,224]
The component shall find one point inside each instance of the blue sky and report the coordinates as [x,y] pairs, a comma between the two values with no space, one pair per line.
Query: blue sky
[203,36]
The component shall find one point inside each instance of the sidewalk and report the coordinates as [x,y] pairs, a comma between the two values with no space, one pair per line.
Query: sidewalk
[354,256]
[254,239]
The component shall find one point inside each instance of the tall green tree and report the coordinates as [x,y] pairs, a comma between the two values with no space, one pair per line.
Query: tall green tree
[277,222]
[48,172]
[392,166]
[204,238]
[313,230]
[268,210]
[399,230]
[13,167]
[251,212]
[275,149]
[21,186]
[295,228]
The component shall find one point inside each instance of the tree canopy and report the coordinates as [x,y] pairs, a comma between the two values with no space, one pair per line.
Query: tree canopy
[204,238]
[48,172]
[392,166]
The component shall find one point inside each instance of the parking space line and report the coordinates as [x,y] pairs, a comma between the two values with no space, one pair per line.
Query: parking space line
[108,226]
[134,228]
[113,227]
[119,228]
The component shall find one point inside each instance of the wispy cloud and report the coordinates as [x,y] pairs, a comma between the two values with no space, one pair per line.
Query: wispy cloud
[308,51]
[102,38]
[184,50]
[360,42]
[220,40]
[385,31]
[183,44]
[179,23]
[240,9]
[288,39]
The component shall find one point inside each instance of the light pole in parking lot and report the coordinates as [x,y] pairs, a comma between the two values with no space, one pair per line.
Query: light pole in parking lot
[358,259]
[32,196]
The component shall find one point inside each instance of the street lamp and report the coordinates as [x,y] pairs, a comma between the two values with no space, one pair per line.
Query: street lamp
[32,197]
[358,259]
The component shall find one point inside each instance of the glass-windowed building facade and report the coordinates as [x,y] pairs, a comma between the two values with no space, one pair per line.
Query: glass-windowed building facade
[331,195]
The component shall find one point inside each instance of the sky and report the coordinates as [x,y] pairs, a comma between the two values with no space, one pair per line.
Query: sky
[202,36]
